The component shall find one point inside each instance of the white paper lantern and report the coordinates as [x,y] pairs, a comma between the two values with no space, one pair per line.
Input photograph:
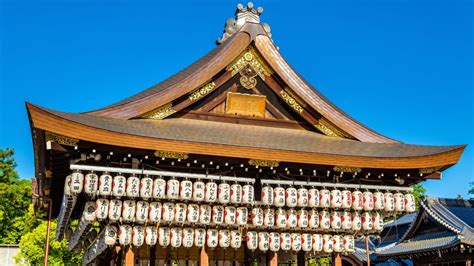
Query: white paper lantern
[302,216]
[128,210]
[336,198]
[186,190]
[399,202]
[328,243]
[141,214]
[133,187]
[188,237]
[223,193]
[168,212]
[336,220]
[138,236]
[77,182]
[101,209]
[410,205]
[252,240]
[199,237]
[346,220]
[205,214]
[324,219]
[317,242]
[115,209]
[151,235]
[105,184]
[356,222]
[91,184]
[377,221]
[281,219]
[313,218]
[146,188]
[324,198]
[125,235]
[235,194]
[379,201]
[230,215]
[247,194]
[389,202]
[217,214]
[295,242]
[274,241]
[164,236]
[357,200]
[291,197]
[212,238]
[302,197]
[285,241]
[193,213]
[267,195]
[367,223]
[119,185]
[279,196]
[257,216]
[242,215]
[306,242]
[199,190]
[349,243]
[89,211]
[346,199]
[224,238]
[235,239]
[172,189]
[154,215]
[180,212]
[338,243]
[159,188]
[263,241]
[368,201]
[313,198]
[291,218]
[110,236]
[176,237]
[211,192]
[269,217]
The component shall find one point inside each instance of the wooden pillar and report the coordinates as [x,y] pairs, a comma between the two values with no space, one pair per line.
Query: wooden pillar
[204,258]
[152,255]
[468,261]
[337,259]
[300,259]
[130,257]
[367,250]
[272,259]
[48,230]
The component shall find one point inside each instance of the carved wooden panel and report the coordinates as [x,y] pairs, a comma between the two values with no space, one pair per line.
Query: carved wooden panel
[245,104]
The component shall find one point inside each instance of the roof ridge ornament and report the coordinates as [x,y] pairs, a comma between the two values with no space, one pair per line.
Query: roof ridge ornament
[242,16]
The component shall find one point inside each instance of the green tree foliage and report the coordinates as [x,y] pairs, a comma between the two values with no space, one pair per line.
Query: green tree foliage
[15,199]
[32,248]
[418,192]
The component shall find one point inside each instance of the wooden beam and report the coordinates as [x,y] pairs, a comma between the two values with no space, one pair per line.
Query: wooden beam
[367,250]
[204,258]
[218,99]
[337,259]
[274,259]
[300,258]
[130,256]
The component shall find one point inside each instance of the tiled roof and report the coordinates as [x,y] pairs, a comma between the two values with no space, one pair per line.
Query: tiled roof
[238,135]
[405,219]
[420,246]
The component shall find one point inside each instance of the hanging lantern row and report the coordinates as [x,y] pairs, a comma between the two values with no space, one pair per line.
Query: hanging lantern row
[345,199]
[158,188]
[176,237]
[141,212]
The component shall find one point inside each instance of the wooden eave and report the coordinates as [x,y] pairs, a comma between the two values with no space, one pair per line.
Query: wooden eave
[52,122]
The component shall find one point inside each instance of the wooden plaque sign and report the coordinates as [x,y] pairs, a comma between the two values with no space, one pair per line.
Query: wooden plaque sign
[245,104]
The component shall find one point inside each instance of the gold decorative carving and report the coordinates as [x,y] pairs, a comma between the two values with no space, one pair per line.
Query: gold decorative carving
[161,112]
[247,79]
[329,129]
[430,170]
[171,154]
[245,104]
[203,91]
[63,140]
[347,169]
[250,58]
[291,101]
[263,163]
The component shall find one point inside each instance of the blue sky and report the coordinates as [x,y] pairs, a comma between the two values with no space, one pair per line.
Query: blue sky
[404,68]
